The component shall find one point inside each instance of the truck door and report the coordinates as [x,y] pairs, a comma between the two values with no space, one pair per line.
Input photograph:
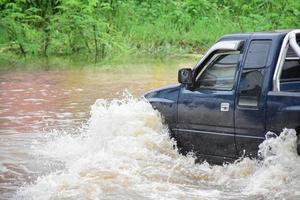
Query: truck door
[250,112]
[206,111]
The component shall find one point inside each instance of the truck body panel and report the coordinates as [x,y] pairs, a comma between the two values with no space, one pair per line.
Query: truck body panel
[199,117]
[230,104]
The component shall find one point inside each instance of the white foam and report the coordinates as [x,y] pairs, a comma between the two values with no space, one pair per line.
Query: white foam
[124,152]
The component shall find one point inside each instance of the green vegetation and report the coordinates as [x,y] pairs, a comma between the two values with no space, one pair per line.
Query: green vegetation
[93,31]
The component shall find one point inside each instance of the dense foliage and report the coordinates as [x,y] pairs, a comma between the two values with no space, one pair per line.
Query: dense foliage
[96,29]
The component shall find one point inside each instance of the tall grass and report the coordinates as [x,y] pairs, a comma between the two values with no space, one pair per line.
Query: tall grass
[97,31]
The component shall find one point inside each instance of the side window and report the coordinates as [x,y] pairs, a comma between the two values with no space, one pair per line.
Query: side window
[291,67]
[257,54]
[253,73]
[250,87]
[220,73]
[290,75]
[291,71]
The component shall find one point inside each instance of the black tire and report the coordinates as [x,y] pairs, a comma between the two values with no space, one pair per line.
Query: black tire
[298,139]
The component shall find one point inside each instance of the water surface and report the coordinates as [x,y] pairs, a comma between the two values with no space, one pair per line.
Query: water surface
[72,134]
[33,103]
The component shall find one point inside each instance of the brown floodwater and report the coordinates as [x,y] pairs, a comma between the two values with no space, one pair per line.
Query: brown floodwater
[73,134]
[34,102]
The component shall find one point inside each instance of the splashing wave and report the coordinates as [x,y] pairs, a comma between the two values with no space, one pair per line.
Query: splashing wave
[124,152]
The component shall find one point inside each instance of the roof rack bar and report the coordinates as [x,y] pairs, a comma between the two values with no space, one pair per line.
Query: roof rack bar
[289,40]
[292,58]
[293,43]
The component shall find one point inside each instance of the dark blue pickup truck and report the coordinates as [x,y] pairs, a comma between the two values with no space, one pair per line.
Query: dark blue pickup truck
[244,86]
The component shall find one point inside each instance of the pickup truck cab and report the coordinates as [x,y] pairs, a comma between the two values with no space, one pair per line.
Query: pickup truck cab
[244,86]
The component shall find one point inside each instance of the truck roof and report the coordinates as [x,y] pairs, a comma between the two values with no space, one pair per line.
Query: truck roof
[278,34]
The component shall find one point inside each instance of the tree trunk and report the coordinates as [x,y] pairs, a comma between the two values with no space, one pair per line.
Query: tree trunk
[46,40]
[96,44]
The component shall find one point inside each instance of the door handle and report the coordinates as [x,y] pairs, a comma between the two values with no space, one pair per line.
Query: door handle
[224,107]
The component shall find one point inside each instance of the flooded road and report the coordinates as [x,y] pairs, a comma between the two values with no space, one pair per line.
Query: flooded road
[32,101]
[33,104]
[73,134]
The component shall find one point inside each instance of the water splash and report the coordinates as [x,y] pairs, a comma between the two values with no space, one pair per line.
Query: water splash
[124,152]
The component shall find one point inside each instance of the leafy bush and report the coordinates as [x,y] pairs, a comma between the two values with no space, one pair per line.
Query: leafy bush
[94,30]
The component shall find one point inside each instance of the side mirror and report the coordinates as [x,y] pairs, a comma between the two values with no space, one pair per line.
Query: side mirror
[185,76]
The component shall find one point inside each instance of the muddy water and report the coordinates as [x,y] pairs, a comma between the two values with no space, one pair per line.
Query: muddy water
[73,135]
[35,103]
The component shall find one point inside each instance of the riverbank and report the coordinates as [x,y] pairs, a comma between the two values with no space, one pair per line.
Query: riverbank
[97,32]
[10,62]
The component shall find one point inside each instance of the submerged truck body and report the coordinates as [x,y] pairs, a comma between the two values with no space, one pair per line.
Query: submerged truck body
[244,86]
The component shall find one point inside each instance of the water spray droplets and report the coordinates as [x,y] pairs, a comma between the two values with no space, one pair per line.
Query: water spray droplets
[124,151]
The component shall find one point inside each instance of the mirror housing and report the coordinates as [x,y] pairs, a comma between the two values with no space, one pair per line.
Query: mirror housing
[185,76]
